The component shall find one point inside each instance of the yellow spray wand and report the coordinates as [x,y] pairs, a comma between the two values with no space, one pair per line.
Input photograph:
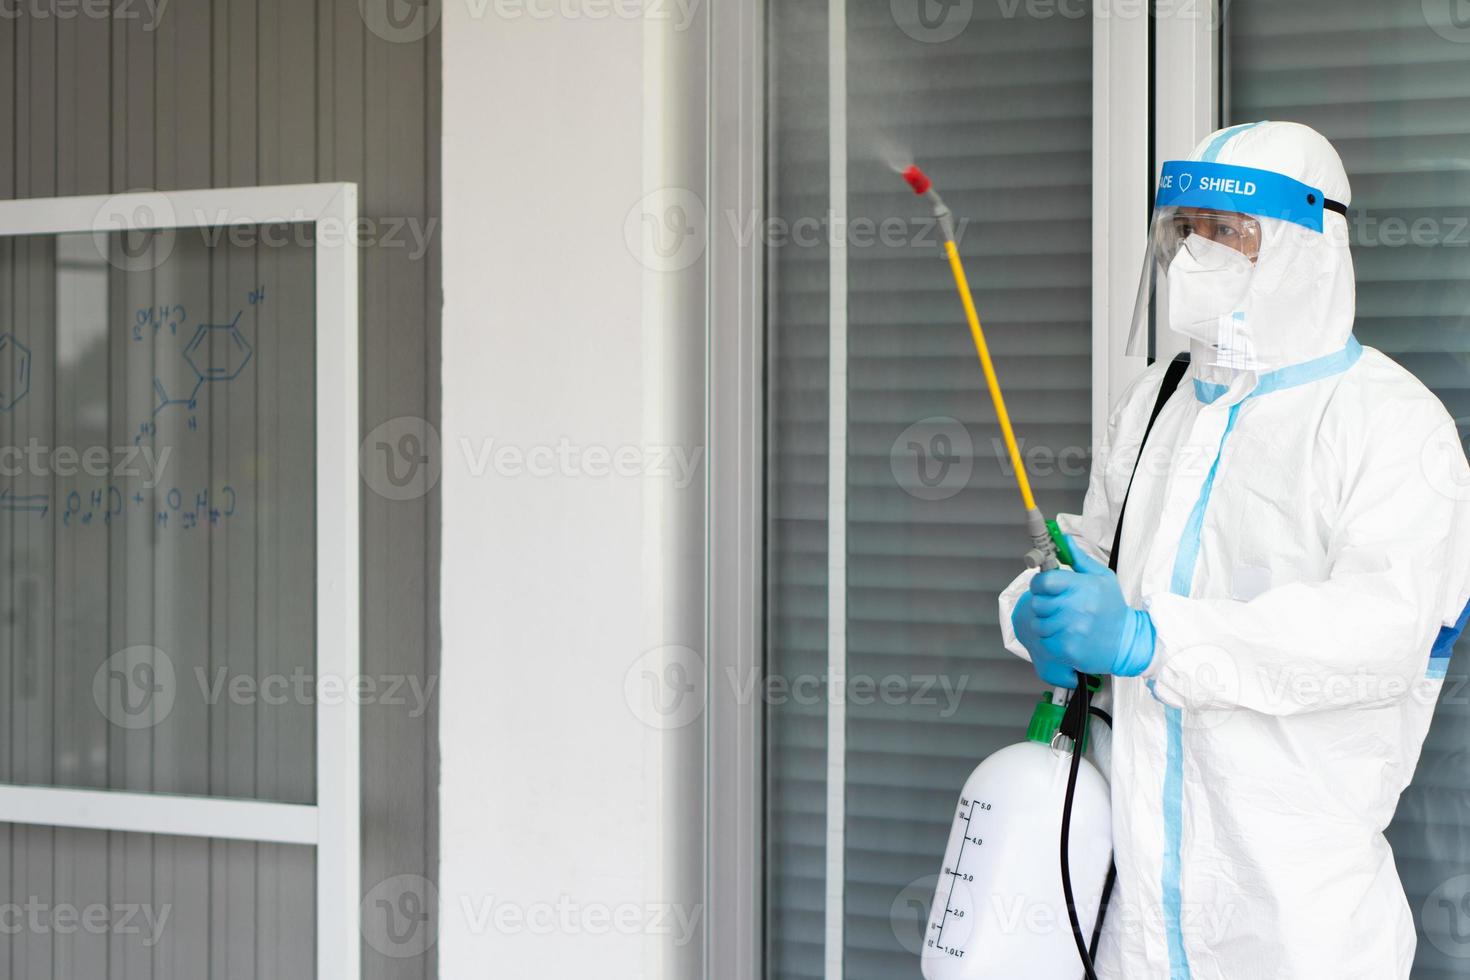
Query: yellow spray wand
[1049,547]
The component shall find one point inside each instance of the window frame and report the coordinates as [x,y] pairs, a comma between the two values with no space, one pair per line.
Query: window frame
[734,790]
[332,826]
[1186,101]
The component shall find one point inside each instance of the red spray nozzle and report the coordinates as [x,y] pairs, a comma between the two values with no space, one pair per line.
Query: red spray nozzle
[918,180]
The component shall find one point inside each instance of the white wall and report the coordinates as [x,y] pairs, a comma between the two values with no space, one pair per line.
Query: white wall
[570,825]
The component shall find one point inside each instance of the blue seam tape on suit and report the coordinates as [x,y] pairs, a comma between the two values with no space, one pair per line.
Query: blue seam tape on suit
[1289,377]
[1174,845]
[1444,646]
[1184,565]
[1212,152]
[1182,583]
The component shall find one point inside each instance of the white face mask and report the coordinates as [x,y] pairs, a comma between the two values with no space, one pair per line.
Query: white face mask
[1208,283]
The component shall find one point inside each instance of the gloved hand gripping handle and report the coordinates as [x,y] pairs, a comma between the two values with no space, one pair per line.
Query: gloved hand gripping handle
[1049,547]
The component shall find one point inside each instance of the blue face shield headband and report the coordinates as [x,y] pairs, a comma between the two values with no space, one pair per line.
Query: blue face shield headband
[1204,241]
[1263,193]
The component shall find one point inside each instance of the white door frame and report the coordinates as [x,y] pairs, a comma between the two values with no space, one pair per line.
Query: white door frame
[1186,100]
[333,825]
[1121,198]
[735,464]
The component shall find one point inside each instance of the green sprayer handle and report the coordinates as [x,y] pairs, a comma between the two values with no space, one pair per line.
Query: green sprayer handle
[1064,553]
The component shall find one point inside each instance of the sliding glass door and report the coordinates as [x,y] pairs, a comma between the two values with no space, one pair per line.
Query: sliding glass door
[893,515]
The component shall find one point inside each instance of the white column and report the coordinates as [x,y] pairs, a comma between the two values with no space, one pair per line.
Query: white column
[572,599]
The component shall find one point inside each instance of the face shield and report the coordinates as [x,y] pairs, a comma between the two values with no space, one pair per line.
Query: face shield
[1212,225]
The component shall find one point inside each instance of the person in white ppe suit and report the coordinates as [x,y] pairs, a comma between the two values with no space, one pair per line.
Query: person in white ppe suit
[1293,569]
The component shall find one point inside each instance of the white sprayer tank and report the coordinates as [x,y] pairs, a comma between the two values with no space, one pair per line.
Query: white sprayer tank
[999,911]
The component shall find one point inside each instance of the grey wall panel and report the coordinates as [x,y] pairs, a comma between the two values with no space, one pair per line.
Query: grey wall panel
[225,93]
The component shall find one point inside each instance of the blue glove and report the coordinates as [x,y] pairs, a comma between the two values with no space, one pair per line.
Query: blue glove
[1055,672]
[1083,622]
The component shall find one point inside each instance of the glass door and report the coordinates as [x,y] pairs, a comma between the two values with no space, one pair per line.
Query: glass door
[893,516]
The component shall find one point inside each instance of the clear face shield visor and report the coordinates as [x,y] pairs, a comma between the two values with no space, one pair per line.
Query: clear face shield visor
[1204,245]
[1197,271]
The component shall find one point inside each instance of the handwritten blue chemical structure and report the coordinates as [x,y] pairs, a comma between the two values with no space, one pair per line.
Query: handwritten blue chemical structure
[15,371]
[179,509]
[159,318]
[217,352]
[186,356]
[36,503]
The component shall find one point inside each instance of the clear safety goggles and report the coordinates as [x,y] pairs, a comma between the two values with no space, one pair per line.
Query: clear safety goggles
[1176,228]
[1205,240]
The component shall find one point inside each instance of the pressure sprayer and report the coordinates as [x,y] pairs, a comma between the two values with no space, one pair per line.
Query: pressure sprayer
[1003,907]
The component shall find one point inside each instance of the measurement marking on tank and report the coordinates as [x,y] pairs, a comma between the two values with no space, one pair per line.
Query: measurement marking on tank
[966,813]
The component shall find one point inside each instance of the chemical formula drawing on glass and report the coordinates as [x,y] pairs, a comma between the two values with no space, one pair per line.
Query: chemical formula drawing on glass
[167,473]
[215,353]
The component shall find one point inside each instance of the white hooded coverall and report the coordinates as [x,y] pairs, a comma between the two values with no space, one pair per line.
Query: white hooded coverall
[1300,536]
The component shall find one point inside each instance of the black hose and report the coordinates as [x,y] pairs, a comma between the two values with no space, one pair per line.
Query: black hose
[1102,909]
[1074,725]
